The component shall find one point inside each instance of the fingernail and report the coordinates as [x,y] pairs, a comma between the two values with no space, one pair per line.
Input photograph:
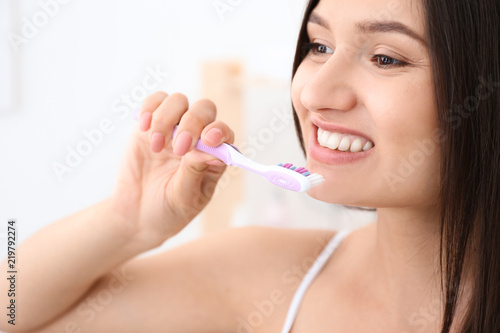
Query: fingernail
[157,142]
[145,121]
[214,136]
[182,143]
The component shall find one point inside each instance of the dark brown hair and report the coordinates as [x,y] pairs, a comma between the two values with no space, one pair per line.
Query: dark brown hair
[463,37]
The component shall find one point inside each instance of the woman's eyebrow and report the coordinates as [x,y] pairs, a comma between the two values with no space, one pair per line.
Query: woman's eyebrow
[389,26]
[315,18]
[373,27]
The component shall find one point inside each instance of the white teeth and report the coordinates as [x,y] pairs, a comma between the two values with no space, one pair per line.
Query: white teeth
[334,141]
[343,142]
[367,146]
[356,146]
[324,135]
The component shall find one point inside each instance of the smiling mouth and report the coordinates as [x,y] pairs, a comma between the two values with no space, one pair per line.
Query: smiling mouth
[343,142]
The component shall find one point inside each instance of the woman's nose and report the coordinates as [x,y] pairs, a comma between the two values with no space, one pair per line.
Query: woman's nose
[329,86]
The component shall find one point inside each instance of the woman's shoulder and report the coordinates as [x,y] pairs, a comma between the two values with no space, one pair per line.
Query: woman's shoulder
[258,247]
[238,269]
[265,265]
[255,242]
[252,257]
[255,249]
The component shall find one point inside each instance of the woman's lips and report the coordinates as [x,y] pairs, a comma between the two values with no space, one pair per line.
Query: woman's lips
[333,156]
[339,129]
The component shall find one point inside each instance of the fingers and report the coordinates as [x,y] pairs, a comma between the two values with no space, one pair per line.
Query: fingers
[165,117]
[149,105]
[161,113]
[217,133]
[212,135]
[192,123]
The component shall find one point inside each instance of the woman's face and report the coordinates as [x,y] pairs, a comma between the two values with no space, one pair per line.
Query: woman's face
[365,101]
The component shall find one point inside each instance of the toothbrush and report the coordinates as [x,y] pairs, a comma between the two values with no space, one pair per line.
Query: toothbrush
[283,175]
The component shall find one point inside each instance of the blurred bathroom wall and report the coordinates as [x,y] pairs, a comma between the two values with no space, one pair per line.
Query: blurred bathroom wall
[72,66]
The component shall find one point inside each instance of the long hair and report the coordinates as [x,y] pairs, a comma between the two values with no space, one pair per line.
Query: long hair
[463,38]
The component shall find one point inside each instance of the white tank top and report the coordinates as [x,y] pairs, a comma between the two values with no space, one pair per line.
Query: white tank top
[309,277]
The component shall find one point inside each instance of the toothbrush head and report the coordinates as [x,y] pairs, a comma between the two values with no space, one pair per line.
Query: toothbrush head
[306,183]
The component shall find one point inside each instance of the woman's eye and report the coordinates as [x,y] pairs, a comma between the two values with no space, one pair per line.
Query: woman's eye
[317,49]
[383,61]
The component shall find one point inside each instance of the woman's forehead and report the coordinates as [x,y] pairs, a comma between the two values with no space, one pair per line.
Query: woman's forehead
[347,12]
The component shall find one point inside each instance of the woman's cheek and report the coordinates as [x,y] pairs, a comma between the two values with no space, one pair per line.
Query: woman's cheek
[297,86]
[298,83]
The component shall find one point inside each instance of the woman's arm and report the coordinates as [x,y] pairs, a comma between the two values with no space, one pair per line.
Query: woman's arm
[159,189]
[60,263]
[196,287]
[213,284]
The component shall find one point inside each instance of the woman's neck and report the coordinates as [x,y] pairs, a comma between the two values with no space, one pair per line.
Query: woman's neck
[403,258]
[406,245]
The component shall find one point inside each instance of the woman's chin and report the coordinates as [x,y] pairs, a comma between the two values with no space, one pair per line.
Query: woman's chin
[323,193]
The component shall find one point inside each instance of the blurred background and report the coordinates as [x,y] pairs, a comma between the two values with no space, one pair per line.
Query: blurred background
[71,69]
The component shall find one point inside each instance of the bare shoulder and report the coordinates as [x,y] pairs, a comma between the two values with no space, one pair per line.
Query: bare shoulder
[258,269]
[211,284]
[256,246]
[256,250]
[228,274]
[250,256]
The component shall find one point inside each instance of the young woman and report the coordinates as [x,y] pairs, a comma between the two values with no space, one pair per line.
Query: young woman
[397,105]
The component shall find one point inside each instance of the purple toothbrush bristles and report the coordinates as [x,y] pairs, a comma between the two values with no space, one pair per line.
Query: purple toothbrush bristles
[303,171]
[314,178]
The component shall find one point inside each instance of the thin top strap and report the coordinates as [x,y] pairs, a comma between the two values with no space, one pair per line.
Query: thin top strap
[309,277]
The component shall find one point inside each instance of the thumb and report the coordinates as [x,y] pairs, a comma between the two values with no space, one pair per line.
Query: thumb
[196,178]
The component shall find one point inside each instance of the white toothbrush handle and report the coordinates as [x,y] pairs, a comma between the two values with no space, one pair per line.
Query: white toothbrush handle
[277,175]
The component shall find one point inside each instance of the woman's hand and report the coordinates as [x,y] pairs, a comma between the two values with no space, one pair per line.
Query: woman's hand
[161,187]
